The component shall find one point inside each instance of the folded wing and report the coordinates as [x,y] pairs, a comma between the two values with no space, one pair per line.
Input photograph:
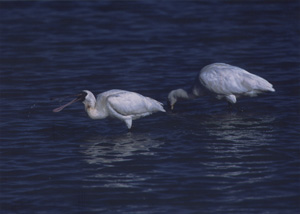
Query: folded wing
[133,104]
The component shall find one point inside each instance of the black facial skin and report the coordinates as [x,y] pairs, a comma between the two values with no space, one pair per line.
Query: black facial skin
[81,96]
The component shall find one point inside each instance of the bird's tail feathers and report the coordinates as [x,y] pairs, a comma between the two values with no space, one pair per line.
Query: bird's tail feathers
[156,105]
[264,86]
[160,107]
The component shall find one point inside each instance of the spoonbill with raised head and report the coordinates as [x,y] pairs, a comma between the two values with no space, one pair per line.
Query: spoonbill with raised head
[120,104]
[224,82]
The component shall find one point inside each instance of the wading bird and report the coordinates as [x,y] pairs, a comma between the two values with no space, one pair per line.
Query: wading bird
[224,82]
[120,104]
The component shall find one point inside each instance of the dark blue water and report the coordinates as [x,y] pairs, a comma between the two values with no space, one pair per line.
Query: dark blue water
[199,159]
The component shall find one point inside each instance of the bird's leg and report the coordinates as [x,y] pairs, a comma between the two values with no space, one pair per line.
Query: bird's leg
[128,122]
[238,108]
[229,106]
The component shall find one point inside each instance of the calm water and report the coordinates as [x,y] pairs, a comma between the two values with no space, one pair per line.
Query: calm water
[198,159]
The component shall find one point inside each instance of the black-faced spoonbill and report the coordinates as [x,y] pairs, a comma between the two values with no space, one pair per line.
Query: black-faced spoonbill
[224,82]
[120,104]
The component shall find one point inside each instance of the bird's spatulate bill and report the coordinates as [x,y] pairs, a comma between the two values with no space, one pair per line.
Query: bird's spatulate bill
[64,106]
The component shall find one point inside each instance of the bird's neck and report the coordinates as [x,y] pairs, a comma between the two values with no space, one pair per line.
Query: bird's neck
[94,110]
[184,94]
[96,113]
[198,90]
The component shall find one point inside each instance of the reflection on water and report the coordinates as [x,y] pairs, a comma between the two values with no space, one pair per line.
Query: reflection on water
[116,148]
[241,141]
[109,153]
[241,128]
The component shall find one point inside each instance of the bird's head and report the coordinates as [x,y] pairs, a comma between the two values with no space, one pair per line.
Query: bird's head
[172,99]
[89,99]
[176,95]
[79,97]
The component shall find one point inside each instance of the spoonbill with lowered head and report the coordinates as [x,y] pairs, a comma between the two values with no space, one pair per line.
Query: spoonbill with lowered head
[224,82]
[120,104]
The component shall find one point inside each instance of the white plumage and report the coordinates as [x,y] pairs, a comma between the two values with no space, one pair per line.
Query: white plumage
[120,104]
[224,82]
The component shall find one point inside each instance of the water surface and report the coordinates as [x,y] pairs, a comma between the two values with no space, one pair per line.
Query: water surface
[201,158]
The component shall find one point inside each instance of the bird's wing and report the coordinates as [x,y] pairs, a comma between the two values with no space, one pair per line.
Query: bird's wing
[230,80]
[131,103]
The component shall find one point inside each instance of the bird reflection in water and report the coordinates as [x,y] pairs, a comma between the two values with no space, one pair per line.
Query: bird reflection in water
[107,157]
[240,128]
[242,146]
[116,148]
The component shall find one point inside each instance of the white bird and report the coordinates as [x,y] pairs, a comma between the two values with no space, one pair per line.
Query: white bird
[224,82]
[120,104]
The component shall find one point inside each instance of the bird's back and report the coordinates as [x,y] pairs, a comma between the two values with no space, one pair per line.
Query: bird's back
[224,79]
[129,103]
[102,97]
